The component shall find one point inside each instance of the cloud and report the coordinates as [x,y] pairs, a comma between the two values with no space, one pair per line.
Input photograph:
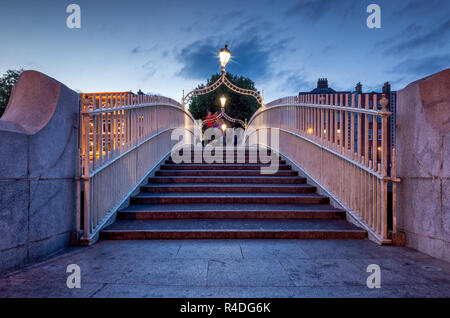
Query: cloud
[329,48]
[314,10]
[437,36]
[136,50]
[293,81]
[139,49]
[250,57]
[150,69]
[310,9]
[411,29]
[419,67]
[199,60]
[420,7]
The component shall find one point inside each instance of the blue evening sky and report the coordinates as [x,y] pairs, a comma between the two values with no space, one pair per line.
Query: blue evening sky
[283,45]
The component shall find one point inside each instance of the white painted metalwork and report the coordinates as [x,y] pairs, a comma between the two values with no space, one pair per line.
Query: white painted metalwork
[227,117]
[223,80]
[123,137]
[334,138]
[224,57]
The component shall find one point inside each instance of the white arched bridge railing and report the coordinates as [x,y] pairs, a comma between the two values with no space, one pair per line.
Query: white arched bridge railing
[123,137]
[340,141]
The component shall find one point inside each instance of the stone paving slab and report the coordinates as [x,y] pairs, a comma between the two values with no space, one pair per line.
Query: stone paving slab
[232,268]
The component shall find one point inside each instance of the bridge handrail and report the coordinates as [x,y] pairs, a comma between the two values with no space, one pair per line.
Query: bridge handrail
[122,137]
[342,148]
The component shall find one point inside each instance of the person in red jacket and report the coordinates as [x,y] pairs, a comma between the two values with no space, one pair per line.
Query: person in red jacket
[210,119]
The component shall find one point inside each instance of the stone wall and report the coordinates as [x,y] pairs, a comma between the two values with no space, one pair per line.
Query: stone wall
[38,151]
[423,156]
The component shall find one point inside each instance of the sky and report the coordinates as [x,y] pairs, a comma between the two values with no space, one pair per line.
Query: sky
[284,46]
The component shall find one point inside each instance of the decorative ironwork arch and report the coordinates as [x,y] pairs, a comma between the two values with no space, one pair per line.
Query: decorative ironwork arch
[229,118]
[223,80]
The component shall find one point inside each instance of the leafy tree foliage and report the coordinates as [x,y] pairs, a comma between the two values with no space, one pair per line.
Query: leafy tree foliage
[237,106]
[7,82]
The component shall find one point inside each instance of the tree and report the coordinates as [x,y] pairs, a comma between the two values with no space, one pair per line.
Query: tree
[7,81]
[237,106]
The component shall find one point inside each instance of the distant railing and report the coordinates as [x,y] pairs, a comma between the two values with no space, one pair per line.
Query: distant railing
[123,137]
[334,138]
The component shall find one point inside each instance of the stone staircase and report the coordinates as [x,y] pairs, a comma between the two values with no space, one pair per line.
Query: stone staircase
[229,201]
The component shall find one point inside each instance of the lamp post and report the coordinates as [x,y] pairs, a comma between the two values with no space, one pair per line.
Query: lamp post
[224,56]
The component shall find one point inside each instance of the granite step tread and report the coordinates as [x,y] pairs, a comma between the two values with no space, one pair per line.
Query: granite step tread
[234,188]
[216,166]
[229,198]
[229,195]
[231,229]
[228,224]
[224,211]
[234,207]
[169,161]
[241,173]
[229,179]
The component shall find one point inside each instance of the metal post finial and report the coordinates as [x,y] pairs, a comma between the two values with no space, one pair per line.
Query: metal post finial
[384,102]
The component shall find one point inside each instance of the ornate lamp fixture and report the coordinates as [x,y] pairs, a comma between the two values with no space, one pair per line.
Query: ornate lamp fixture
[224,57]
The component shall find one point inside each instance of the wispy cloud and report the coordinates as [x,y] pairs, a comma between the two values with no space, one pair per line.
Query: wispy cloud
[139,49]
[294,81]
[410,31]
[423,66]
[251,57]
[315,10]
[419,7]
[310,9]
[136,50]
[436,36]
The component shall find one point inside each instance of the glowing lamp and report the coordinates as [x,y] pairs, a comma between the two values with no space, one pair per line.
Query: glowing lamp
[224,56]
[223,100]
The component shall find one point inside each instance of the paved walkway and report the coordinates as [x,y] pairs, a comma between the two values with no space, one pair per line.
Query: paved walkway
[233,268]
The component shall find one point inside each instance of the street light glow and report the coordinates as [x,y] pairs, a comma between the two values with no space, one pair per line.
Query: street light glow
[224,127]
[223,100]
[224,56]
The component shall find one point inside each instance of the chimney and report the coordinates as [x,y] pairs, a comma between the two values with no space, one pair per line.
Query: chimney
[322,83]
[358,88]
[387,88]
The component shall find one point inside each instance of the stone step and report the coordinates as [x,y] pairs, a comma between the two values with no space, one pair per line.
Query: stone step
[215,166]
[225,154]
[229,201]
[227,188]
[246,161]
[227,179]
[226,211]
[235,151]
[242,173]
[230,198]
[231,229]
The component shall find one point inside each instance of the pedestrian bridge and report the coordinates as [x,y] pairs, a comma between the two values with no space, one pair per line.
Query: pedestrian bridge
[81,167]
